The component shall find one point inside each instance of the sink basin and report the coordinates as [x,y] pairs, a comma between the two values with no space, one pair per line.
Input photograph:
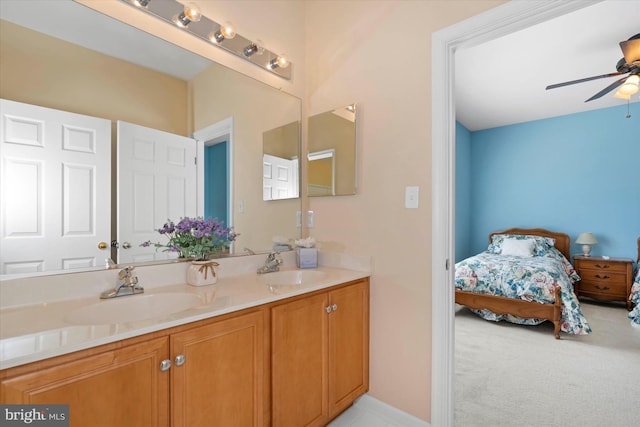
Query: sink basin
[133,308]
[292,277]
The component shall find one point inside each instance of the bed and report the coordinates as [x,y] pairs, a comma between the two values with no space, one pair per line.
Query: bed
[523,277]
[634,296]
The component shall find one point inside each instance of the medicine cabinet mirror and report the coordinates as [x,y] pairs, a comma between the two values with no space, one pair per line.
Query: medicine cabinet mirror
[331,159]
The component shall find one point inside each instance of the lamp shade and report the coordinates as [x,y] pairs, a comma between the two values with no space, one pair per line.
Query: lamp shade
[586,239]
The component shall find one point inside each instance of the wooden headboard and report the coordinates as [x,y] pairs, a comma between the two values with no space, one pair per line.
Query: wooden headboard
[563,242]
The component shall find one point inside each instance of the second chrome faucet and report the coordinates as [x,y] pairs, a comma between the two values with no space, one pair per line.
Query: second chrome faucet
[271,264]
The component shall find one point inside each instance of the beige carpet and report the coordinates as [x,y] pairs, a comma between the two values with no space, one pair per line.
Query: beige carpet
[520,376]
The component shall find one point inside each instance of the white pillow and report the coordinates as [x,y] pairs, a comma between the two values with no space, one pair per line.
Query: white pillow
[518,247]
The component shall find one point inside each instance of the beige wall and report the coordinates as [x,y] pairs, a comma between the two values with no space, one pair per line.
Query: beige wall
[49,72]
[377,53]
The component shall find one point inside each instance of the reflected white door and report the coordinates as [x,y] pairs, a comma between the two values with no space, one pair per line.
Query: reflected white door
[55,189]
[279,178]
[156,182]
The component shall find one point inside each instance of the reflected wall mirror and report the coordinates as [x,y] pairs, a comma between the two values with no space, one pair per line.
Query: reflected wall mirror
[123,74]
[331,159]
[280,162]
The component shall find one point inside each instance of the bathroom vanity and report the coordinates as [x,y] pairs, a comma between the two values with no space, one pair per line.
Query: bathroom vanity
[253,353]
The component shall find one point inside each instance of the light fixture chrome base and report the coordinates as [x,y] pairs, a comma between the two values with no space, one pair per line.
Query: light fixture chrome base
[166,10]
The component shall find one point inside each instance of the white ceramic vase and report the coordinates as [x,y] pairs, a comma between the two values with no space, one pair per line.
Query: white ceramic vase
[202,273]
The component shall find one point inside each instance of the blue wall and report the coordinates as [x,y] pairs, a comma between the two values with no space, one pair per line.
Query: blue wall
[574,173]
[216,195]
[463,192]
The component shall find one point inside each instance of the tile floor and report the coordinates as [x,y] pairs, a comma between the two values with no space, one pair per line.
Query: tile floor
[358,417]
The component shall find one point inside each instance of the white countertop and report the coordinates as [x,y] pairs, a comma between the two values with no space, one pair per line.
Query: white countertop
[35,332]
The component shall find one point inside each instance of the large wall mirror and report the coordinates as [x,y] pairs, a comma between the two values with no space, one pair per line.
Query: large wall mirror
[54,57]
[331,160]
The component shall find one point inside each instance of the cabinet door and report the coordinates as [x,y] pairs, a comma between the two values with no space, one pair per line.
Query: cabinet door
[123,387]
[217,378]
[299,362]
[348,345]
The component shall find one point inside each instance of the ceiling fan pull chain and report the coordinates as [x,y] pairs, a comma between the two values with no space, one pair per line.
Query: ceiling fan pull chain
[628,113]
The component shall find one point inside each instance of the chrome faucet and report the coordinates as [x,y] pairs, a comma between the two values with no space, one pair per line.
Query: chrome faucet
[271,264]
[127,285]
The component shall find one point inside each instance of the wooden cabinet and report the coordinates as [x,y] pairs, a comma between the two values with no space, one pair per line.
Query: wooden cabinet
[119,387]
[216,378]
[218,373]
[296,362]
[604,279]
[320,355]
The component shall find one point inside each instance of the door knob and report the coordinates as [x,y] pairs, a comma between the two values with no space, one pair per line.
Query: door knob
[102,245]
[126,245]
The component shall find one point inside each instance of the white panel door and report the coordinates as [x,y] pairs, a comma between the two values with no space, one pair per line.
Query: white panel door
[156,182]
[279,178]
[55,189]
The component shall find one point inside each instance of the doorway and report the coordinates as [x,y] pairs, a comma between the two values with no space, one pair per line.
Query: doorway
[505,19]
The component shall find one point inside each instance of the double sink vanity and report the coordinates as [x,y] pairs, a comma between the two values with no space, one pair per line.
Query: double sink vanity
[282,348]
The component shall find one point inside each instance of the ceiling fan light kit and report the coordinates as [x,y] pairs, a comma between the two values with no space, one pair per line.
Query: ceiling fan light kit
[629,65]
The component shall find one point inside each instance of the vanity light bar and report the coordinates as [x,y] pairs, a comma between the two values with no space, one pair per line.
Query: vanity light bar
[177,14]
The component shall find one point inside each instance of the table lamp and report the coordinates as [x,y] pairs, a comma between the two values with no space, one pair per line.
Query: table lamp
[586,240]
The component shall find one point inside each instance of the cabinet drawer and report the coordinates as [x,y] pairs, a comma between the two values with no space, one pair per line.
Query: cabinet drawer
[601,265]
[617,290]
[604,277]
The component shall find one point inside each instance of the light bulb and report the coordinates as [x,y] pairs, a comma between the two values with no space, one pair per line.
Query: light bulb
[630,86]
[256,47]
[228,30]
[192,11]
[281,61]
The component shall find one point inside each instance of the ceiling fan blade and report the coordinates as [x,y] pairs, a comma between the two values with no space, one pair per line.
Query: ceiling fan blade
[607,89]
[631,49]
[586,79]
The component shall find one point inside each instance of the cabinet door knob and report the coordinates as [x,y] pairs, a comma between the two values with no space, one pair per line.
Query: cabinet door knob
[328,309]
[180,359]
[165,365]
[334,307]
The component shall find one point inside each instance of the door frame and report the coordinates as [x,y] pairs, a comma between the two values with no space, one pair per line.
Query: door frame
[497,22]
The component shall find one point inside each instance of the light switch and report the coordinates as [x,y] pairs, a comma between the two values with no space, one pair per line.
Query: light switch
[411,197]
[298,219]
[310,219]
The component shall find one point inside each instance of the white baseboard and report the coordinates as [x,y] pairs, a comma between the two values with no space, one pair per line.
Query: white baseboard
[395,416]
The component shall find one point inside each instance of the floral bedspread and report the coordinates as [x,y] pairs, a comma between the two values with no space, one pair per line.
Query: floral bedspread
[634,297]
[527,278]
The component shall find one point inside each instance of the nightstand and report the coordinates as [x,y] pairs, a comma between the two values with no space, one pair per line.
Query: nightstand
[604,279]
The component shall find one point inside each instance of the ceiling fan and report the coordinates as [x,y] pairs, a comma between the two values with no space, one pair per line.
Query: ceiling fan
[629,65]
